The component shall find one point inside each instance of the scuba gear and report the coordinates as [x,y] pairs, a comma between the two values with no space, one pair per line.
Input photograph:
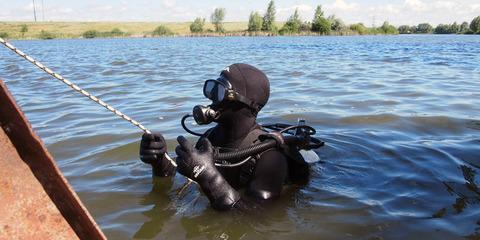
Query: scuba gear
[299,137]
[221,89]
[249,82]
[204,115]
[237,96]
[301,140]
[231,88]
[197,164]
[260,158]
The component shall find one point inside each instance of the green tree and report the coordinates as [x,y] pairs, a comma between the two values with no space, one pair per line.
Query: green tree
[386,28]
[269,18]
[91,34]
[3,35]
[162,30]
[359,28]
[197,25]
[24,29]
[442,29]
[424,28]
[255,22]
[454,28]
[475,25]
[46,35]
[336,23]
[305,26]
[404,29]
[293,24]
[464,28]
[217,18]
[116,32]
[413,29]
[320,24]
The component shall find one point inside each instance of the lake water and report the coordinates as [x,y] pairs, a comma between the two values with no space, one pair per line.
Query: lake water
[400,116]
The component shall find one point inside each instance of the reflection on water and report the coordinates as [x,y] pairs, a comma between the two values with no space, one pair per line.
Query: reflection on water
[399,114]
[159,214]
[466,195]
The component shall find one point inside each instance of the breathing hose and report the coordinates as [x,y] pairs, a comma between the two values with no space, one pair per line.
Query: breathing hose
[246,152]
[273,139]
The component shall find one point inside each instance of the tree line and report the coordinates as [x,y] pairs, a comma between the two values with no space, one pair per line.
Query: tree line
[265,24]
[454,28]
[321,24]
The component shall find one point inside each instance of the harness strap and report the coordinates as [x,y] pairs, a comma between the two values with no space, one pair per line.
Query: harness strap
[248,169]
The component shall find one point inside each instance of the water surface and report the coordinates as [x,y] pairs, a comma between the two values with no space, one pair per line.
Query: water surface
[400,116]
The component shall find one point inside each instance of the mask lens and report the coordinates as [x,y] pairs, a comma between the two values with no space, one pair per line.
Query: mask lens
[220,92]
[214,91]
[208,88]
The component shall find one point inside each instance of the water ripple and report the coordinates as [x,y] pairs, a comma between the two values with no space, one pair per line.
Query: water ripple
[400,115]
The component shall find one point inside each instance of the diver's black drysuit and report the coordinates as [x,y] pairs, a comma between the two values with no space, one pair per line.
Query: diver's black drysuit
[263,176]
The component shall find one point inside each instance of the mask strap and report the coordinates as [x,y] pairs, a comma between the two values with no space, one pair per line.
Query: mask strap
[251,104]
[233,95]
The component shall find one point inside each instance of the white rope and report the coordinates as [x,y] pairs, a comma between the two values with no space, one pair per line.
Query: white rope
[80,90]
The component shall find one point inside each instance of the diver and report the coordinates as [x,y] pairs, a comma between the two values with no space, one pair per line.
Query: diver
[237,96]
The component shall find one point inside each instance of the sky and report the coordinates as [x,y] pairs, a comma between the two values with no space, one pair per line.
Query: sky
[373,12]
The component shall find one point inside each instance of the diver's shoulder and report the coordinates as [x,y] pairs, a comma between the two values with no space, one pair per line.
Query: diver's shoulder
[273,153]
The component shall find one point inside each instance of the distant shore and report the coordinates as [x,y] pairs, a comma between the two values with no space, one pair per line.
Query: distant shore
[77,30]
[81,30]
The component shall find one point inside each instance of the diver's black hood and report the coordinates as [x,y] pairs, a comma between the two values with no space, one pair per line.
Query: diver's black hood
[235,119]
[249,81]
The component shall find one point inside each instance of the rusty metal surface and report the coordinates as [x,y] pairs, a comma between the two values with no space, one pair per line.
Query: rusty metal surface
[26,210]
[36,201]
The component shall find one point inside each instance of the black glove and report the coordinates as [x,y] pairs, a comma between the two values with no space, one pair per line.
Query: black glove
[198,165]
[152,151]
[152,147]
[194,163]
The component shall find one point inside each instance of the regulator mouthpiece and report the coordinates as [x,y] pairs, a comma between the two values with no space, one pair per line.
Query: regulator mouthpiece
[204,115]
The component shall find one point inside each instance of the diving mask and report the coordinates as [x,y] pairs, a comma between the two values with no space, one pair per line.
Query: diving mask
[220,90]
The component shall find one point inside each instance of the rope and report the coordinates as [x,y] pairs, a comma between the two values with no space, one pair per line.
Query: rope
[80,90]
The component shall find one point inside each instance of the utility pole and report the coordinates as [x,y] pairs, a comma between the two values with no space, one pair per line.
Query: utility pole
[34,11]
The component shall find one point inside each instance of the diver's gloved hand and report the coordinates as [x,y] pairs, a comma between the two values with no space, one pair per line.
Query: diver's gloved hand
[198,165]
[152,151]
[193,163]
[152,147]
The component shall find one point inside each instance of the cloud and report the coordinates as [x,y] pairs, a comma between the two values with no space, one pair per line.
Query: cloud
[303,7]
[300,7]
[28,7]
[341,5]
[444,4]
[169,3]
[343,8]
[404,11]
[61,10]
[415,5]
[385,10]
[102,8]
[304,10]
[398,12]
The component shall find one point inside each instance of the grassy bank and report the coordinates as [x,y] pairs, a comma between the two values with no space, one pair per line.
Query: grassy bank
[39,30]
[77,29]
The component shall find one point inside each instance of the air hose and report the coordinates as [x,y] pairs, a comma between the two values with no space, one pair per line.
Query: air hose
[301,139]
[246,152]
